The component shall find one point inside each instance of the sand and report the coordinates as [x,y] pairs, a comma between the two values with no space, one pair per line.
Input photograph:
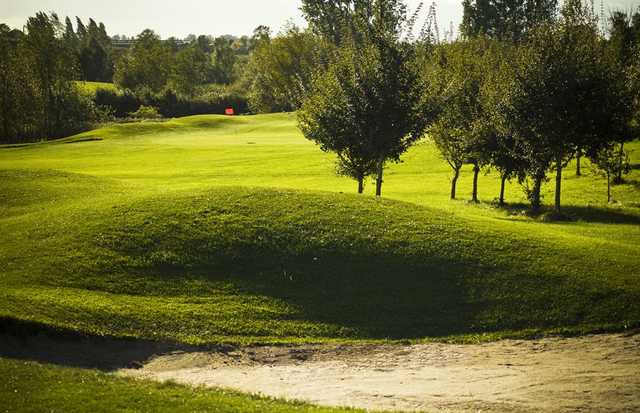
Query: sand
[591,373]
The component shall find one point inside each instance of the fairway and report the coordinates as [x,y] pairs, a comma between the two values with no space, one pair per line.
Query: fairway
[214,229]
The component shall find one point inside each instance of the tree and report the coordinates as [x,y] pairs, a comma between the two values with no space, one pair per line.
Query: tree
[224,59]
[505,19]
[335,20]
[369,104]
[565,95]
[607,162]
[147,64]
[190,70]
[624,45]
[325,119]
[461,131]
[54,65]
[12,95]
[280,70]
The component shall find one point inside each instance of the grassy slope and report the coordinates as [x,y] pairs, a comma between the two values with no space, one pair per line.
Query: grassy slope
[90,88]
[210,229]
[30,387]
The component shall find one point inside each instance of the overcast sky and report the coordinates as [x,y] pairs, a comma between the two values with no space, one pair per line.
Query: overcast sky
[182,17]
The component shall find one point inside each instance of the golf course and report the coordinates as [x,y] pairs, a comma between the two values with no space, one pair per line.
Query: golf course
[236,231]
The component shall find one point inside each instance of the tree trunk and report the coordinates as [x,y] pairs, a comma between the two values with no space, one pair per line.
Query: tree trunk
[558,183]
[579,163]
[454,182]
[360,185]
[379,179]
[535,193]
[608,187]
[503,183]
[476,172]
[618,178]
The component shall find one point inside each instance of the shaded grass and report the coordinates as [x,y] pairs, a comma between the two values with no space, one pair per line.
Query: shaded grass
[33,387]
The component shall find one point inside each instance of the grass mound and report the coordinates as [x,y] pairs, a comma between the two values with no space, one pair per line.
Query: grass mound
[233,229]
[259,265]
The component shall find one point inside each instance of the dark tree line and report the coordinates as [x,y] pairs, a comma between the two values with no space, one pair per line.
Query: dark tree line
[91,46]
[37,96]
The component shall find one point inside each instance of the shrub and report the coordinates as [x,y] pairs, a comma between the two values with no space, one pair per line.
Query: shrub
[146,112]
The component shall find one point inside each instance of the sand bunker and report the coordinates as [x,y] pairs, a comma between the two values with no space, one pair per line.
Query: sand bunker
[593,373]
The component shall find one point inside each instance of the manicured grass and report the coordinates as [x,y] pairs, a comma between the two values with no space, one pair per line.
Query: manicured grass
[31,387]
[213,229]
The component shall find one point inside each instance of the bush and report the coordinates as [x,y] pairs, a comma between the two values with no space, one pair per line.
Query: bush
[145,112]
[170,105]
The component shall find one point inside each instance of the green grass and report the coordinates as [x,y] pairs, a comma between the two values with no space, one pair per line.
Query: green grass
[31,387]
[90,88]
[211,229]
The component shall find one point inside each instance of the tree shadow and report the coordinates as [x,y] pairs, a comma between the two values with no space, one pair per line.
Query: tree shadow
[601,215]
[572,213]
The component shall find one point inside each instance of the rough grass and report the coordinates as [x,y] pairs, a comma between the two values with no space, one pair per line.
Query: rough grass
[31,387]
[213,229]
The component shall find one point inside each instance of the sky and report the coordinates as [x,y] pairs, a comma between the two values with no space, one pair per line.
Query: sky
[180,18]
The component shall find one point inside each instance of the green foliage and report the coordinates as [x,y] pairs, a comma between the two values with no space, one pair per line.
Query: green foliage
[612,161]
[224,60]
[147,64]
[37,96]
[463,130]
[280,70]
[191,69]
[368,106]
[510,20]
[146,112]
[209,99]
[565,96]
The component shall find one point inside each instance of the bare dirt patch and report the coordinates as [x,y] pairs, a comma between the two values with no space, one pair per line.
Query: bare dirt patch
[592,373]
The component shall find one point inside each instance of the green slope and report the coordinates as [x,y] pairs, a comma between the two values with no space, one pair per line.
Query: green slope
[212,229]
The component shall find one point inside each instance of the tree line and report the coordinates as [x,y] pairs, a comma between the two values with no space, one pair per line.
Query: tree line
[529,87]
[37,96]
[40,67]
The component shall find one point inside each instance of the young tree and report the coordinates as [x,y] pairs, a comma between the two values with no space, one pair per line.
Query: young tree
[371,93]
[326,119]
[452,146]
[565,95]
[462,130]
[607,162]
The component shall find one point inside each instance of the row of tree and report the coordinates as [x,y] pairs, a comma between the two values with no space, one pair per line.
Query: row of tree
[41,64]
[159,65]
[525,91]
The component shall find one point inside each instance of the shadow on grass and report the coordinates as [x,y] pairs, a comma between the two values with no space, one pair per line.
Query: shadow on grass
[391,295]
[23,340]
[345,267]
[572,213]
